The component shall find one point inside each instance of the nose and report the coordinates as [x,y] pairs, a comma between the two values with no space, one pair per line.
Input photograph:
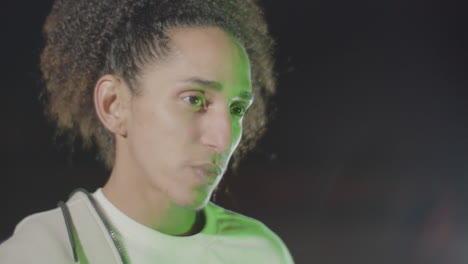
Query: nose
[216,131]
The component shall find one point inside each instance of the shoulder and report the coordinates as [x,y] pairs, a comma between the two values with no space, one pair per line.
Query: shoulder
[37,238]
[229,223]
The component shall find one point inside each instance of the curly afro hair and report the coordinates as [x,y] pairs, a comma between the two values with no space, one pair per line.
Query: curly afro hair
[86,39]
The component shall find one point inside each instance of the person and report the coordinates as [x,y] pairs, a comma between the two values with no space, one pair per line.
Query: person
[162,89]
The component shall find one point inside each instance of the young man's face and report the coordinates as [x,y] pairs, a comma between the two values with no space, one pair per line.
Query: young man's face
[185,124]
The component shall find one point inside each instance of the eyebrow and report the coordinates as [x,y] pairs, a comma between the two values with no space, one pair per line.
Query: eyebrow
[216,86]
[205,83]
[246,96]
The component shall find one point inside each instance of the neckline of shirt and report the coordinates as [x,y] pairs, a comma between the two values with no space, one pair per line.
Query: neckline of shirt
[133,231]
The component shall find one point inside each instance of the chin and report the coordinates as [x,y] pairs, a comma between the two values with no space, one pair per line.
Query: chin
[197,201]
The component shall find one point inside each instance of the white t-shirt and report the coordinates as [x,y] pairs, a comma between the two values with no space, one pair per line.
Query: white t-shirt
[227,237]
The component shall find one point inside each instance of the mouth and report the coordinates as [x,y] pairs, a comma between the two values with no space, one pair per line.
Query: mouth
[208,173]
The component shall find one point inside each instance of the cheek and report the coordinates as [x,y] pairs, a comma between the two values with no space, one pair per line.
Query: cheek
[236,134]
[161,134]
[146,132]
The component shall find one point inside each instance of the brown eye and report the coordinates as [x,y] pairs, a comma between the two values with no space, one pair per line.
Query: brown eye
[195,100]
[238,110]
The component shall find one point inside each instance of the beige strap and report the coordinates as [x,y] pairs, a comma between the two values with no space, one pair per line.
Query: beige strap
[93,239]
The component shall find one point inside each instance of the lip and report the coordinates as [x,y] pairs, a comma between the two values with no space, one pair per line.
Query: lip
[208,171]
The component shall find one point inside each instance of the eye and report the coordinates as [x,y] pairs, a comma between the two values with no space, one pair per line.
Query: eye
[196,100]
[238,109]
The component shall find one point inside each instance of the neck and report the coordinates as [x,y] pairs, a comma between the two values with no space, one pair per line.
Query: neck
[148,206]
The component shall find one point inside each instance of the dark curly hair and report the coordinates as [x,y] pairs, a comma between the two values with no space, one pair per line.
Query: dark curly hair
[86,39]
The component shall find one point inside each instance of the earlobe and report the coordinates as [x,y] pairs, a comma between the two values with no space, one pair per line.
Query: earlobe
[110,103]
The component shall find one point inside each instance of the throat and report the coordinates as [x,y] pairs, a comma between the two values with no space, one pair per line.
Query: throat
[198,225]
[187,223]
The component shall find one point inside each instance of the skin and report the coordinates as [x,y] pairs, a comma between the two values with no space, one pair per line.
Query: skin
[175,138]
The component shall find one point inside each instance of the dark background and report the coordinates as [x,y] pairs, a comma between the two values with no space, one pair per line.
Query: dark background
[366,161]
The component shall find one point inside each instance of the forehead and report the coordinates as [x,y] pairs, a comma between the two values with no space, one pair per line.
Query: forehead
[205,53]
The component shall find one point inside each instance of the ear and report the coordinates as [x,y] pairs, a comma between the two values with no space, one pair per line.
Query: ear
[111,97]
